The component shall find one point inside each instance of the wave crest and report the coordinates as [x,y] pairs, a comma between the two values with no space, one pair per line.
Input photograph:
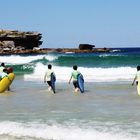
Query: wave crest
[24,59]
[57,132]
[90,74]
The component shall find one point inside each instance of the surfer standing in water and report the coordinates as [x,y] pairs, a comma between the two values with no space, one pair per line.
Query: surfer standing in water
[47,77]
[74,76]
[137,77]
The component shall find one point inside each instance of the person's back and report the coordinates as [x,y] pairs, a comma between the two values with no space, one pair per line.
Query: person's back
[3,74]
[47,78]
[48,73]
[74,76]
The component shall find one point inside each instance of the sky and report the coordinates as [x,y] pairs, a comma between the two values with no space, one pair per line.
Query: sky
[68,23]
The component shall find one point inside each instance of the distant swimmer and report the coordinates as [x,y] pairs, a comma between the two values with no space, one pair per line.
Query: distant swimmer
[74,76]
[50,78]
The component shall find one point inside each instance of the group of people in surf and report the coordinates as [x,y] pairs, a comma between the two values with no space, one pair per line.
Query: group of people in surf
[47,78]
[74,76]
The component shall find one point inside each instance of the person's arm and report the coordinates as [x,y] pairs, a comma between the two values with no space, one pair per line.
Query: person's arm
[45,77]
[70,79]
[134,80]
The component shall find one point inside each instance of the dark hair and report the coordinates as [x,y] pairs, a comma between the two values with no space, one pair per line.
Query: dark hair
[138,67]
[5,70]
[75,67]
[2,64]
[49,66]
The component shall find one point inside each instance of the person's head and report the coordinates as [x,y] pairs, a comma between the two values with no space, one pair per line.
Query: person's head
[75,67]
[138,68]
[49,66]
[2,64]
[5,70]
[9,70]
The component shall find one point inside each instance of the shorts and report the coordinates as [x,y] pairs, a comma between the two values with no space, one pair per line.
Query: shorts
[49,83]
[75,83]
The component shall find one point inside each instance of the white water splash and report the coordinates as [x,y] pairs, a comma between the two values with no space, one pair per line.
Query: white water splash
[90,74]
[60,132]
[18,59]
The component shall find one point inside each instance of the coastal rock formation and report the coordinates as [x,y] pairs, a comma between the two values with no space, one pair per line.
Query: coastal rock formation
[15,41]
[86,46]
[74,50]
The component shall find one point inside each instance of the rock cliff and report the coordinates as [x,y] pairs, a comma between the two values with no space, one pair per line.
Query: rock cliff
[15,41]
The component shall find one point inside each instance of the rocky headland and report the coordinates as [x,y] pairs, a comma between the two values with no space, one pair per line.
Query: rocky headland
[16,42]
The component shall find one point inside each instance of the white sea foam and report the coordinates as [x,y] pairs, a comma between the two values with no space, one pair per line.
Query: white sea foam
[90,74]
[115,50]
[108,55]
[18,59]
[60,132]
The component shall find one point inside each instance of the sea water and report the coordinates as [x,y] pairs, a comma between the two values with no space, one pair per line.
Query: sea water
[108,110]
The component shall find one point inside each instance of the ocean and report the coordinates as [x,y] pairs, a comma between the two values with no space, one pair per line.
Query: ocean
[108,110]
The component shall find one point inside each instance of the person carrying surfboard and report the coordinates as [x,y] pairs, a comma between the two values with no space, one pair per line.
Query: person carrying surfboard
[74,76]
[137,76]
[6,80]
[48,78]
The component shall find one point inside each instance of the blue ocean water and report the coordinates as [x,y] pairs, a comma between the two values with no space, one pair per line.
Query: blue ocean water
[109,109]
[117,57]
[118,64]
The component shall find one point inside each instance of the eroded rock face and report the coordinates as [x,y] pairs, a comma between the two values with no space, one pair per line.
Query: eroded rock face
[16,40]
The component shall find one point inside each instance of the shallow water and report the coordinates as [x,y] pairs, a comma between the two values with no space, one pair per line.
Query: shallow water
[106,111]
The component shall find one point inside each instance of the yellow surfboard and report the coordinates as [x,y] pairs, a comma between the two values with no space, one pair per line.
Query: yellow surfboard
[6,82]
[138,88]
